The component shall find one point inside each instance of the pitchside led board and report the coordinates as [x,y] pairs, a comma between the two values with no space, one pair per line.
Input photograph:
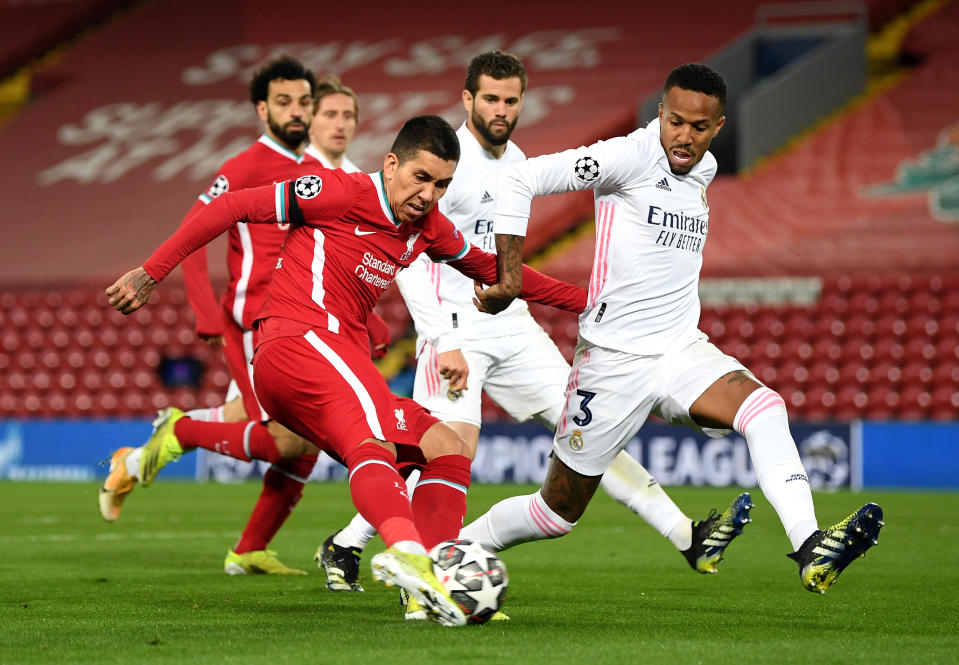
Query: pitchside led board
[913,455]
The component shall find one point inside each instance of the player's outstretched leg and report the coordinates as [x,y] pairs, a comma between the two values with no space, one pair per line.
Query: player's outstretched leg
[713,535]
[342,565]
[162,447]
[117,486]
[414,573]
[258,562]
[826,553]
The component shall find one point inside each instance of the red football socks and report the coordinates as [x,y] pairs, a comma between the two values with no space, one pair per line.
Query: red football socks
[379,493]
[439,502]
[244,441]
[282,489]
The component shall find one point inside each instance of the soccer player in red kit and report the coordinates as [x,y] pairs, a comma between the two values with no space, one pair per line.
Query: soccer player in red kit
[349,234]
[283,93]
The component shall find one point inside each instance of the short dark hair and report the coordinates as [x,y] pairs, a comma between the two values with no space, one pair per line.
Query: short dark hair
[284,67]
[331,85]
[495,64]
[426,132]
[698,78]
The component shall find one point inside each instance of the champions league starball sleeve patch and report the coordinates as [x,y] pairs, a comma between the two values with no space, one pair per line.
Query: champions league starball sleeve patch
[220,186]
[308,186]
[586,169]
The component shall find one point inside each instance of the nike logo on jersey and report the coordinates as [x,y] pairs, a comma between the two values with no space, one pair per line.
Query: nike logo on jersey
[486,198]
[663,184]
[362,233]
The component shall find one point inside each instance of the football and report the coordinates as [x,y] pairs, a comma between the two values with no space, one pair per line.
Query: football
[474,576]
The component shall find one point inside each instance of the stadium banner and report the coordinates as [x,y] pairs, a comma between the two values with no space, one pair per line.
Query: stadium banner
[70,450]
[911,455]
[507,453]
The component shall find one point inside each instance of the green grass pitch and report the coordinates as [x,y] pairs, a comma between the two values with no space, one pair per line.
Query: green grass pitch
[151,588]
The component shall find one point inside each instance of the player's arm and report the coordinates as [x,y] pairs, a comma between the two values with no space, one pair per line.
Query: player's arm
[419,293]
[605,164]
[451,247]
[281,202]
[133,290]
[199,290]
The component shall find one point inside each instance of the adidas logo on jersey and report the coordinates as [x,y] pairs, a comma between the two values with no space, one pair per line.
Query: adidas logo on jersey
[663,184]
[486,198]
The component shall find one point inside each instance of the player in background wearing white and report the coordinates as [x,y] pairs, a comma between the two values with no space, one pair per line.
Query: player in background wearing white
[284,94]
[508,355]
[334,124]
[652,222]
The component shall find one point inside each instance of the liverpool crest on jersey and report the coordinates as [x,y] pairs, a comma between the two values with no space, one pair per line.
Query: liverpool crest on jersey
[409,246]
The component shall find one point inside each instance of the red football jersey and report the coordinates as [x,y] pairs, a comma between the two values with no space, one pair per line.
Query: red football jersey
[343,250]
[253,249]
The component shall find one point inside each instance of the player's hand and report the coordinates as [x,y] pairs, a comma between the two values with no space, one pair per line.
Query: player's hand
[454,369]
[492,300]
[213,341]
[131,292]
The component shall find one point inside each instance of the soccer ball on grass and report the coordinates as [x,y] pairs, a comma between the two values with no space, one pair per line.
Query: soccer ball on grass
[474,576]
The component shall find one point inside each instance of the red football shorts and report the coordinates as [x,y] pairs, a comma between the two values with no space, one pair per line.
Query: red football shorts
[326,389]
[239,352]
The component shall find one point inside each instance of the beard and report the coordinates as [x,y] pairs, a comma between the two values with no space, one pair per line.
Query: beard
[292,138]
[487,133]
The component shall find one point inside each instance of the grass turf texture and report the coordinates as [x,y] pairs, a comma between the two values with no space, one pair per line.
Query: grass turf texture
[151,588]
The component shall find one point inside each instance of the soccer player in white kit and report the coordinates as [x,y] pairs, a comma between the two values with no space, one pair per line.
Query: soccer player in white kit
[462,351]
[639,349]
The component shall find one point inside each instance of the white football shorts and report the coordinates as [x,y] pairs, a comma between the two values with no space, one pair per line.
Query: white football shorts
[610,395]
[524,373]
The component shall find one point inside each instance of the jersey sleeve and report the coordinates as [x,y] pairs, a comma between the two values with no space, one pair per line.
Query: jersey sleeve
[310,199]
[420,296]
[196,273]
[249,205]
[446,243]
[537,287]
[294,201]
[604,165]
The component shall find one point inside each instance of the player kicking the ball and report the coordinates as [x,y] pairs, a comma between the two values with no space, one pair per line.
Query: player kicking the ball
[639,349]
[349,234]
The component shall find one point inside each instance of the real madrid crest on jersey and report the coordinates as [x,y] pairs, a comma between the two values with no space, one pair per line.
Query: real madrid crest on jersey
[220,186]
[308,186]
[586,169]
[702,195]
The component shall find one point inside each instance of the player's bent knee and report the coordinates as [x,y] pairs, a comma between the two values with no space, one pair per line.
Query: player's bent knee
[440,440]
[289,444]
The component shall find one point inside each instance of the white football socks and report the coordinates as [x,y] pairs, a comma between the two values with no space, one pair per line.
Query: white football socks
[628,482]
[212,415]
[763,422]
[132,462]
[518,519]
[358,533]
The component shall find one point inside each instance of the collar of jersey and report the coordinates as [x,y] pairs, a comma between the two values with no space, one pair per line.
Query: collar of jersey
[380,186]
[283,150]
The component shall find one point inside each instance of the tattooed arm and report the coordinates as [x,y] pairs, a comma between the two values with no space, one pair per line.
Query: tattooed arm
[509,275]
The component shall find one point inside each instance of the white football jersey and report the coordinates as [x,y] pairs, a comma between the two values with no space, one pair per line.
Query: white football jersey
[440,299]
[651,227]
[347,165]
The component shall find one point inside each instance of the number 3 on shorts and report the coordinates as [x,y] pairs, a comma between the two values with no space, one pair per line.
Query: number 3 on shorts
[587,414]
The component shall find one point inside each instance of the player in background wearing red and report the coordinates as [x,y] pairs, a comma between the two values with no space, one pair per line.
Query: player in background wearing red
[283,93]
[349,235]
